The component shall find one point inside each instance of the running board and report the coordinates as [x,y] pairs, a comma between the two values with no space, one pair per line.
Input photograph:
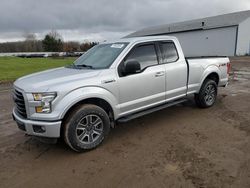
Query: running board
[150,110]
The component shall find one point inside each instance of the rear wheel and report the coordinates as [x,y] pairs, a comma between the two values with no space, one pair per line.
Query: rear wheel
[207,95]
[86,127]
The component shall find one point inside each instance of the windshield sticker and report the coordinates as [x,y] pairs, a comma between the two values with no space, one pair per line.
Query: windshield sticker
[117,45]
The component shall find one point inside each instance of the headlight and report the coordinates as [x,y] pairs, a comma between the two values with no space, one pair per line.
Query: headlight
[46,100]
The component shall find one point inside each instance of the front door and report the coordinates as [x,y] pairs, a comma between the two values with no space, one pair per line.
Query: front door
[145,88]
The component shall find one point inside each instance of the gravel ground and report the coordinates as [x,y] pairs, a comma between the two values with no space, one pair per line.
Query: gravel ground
[182,146]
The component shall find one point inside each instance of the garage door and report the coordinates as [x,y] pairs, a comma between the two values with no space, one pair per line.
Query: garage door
[211,42]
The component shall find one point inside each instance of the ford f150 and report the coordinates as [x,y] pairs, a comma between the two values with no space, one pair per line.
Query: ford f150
[114,82]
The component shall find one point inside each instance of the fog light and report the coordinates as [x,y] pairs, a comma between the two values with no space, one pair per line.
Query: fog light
[39,129]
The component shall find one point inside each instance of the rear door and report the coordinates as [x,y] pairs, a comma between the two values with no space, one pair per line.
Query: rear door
[176,70]
[145,88]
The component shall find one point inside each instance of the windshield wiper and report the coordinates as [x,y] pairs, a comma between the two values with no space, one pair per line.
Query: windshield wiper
[79,66]
[83,65]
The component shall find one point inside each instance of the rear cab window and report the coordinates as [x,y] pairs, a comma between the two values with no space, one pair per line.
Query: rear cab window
[169,52]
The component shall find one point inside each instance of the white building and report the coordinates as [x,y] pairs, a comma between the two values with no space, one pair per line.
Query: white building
[223,35]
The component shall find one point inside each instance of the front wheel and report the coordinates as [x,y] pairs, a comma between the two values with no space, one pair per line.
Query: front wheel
[86,127]
[207,95]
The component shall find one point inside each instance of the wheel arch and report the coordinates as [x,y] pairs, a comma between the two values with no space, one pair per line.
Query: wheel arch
[212,73]
[213,76]
[102,103]
[88,95]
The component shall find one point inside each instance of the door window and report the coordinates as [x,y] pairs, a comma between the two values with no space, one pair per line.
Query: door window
[145,55]
[169,52]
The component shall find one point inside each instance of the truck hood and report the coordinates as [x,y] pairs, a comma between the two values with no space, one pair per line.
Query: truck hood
[47,80]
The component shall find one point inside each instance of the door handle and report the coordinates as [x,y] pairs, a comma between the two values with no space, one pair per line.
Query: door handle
[108,81]
[158,74]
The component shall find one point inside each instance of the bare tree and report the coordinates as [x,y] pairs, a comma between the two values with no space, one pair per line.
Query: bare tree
[29,44]
[29,36]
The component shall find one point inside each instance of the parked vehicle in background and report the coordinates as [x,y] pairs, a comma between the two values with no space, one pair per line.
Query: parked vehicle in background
[114,82]
[41,54]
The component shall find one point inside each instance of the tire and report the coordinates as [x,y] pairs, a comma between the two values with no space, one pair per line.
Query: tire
[207,95]
[86,127]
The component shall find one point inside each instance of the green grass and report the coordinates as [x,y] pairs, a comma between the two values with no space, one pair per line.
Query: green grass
[12,68]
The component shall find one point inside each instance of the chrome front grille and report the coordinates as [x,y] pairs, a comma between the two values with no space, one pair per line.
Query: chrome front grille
[19,103]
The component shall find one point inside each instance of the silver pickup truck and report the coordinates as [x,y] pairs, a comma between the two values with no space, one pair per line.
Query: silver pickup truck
[114,82]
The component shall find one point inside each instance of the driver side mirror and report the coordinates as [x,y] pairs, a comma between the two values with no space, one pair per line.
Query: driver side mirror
[132,67]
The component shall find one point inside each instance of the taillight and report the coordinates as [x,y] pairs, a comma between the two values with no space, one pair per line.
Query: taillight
[228,67]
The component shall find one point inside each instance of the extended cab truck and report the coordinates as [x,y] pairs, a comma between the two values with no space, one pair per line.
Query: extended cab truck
[114,82]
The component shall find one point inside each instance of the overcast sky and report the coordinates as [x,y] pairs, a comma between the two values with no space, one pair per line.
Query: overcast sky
[98,20]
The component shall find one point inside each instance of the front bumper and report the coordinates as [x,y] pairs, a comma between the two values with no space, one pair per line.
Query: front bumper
[38,128]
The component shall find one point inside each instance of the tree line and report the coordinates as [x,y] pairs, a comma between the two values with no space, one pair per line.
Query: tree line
[52,42]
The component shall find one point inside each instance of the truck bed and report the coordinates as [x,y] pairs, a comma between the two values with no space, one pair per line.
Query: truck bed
[198,67]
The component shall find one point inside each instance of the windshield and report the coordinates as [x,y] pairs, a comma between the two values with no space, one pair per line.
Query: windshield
[100,56]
